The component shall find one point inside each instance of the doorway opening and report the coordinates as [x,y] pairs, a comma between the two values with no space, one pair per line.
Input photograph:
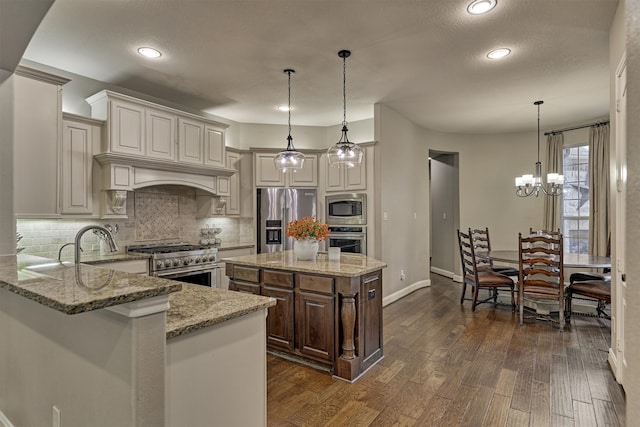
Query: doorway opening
[444,202]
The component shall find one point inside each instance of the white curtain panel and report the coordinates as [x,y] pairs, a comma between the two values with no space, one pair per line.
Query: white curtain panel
[599,191]
[553,162]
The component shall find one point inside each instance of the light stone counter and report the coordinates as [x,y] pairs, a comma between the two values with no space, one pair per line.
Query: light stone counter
[196,307]
[350,265]
[73,289]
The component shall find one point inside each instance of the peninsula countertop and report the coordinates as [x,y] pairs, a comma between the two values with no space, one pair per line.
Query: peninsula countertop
[196,307]
[73,289]
[350,265]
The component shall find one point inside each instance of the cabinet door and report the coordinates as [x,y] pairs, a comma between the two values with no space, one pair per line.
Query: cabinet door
[76,166]
[37,125]
[308,176]
[213,147]
[335,178]
[126,129]
[233,201]
[315,325]
[266,173]
[161,135]
[371,294]
[356,178]
[280,318]
[190,141]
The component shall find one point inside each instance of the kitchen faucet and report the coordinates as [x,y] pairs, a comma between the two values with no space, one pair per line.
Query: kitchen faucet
[103,232]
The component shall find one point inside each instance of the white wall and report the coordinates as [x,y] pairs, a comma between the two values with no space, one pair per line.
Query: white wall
[632,332]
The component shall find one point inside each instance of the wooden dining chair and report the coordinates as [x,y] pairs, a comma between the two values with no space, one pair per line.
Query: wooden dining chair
[540,261]
[545,232]
[482,243]
[479,278]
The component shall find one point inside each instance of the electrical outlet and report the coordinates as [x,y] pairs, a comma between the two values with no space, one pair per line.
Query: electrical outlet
[56,417]
[402,276]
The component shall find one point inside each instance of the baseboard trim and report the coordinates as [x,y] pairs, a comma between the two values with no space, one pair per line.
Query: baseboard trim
[405,291]
[457,278]
[442,272]
[4,421]
[615,368]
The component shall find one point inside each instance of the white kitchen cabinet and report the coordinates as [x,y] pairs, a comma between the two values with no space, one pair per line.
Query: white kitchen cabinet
[347,179]
[126,128]
[80,139]
[160,133]
[214,153]
[38,131]
[190,140]
[266,174]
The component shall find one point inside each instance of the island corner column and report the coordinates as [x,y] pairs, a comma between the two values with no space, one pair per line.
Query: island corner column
[348,363]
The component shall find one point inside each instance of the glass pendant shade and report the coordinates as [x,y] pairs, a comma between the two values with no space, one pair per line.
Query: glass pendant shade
[289,160]
[345,153]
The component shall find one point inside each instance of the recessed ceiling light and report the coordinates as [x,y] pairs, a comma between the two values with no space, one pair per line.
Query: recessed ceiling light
[149,52]
[478,7]
[498,53]
[283,108]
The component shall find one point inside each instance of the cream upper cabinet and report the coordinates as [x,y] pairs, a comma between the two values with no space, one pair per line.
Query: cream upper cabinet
[126,128]
[346,179]
[160,134]
[37,134]
[190,140]
[214,147]
[80,138]
[266,174]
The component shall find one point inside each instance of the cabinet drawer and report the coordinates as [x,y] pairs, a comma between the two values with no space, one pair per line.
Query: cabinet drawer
[246,274]
[249,288]
[277,278]
[319,284]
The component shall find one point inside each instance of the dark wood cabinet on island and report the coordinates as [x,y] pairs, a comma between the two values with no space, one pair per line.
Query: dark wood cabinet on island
[328,313]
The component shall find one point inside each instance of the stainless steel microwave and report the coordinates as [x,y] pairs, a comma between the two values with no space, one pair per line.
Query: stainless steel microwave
[346,209]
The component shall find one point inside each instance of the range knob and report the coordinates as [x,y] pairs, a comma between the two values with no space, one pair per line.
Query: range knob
[187,261]
[212,257]
[159,264]
[176,262]
[197,259]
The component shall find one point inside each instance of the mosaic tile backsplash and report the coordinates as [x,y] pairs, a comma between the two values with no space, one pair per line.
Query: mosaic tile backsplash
[156,215]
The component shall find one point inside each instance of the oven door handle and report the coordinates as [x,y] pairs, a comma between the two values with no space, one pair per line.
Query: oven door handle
[185,271]
[347,235]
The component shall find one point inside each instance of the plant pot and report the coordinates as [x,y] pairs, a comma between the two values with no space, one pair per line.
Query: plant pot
[305,250]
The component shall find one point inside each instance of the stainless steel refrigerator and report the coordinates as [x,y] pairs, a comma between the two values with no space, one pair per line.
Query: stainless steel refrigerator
[276,208]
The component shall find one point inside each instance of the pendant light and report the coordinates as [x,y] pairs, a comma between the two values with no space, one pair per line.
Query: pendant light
[289,160]
[345,153]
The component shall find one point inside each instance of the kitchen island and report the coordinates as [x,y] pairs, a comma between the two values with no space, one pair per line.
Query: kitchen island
[96,347]
[328,313]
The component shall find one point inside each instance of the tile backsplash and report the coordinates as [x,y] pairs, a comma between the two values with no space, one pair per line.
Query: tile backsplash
[155,215]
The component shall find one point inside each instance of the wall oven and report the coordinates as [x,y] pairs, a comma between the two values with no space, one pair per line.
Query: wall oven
[346,209]
[349,239]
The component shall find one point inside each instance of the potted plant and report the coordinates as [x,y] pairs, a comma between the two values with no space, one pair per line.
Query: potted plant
[307,232]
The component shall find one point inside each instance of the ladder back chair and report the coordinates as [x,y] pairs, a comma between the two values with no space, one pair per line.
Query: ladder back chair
[540,260]
[479,278]
[482,243]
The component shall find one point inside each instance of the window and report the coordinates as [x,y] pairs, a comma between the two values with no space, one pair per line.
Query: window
[575,199]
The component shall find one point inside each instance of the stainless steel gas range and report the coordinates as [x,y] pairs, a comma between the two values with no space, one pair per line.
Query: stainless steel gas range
[183,262]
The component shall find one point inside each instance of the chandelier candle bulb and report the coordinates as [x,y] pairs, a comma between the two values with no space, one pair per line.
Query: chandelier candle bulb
[552,178]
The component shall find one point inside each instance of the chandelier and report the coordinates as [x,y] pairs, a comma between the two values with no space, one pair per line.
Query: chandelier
[289,160]
[531,185]
[344,153]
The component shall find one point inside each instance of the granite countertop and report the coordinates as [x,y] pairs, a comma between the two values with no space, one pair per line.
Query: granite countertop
[350,265]
[73,289]
[196,307]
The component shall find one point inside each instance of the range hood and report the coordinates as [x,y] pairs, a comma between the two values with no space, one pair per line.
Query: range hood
[121,173]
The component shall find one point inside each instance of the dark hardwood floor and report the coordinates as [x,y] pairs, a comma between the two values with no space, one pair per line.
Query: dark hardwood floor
[447,366]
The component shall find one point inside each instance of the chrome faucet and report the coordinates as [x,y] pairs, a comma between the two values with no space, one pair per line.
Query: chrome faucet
[101,231]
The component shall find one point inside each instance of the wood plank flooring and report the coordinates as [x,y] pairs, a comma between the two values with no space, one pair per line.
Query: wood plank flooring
[447,366]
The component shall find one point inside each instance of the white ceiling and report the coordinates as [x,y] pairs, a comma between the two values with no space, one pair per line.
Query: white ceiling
[426,59]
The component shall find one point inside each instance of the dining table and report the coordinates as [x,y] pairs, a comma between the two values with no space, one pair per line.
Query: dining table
[570,260]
